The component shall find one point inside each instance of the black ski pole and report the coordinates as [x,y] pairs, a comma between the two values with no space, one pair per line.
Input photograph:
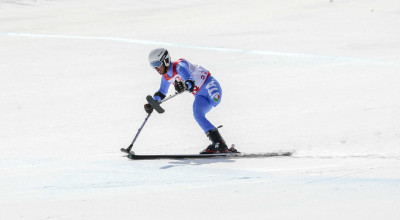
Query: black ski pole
[128,150]
[155,105]
[170,97]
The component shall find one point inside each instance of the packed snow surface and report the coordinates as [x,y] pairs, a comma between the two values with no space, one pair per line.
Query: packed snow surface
[317,77]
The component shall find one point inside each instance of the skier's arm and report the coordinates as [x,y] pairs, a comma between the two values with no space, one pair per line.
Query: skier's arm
[162,92]
[183,70]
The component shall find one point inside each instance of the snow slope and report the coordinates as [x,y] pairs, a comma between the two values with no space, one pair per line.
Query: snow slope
[318,77]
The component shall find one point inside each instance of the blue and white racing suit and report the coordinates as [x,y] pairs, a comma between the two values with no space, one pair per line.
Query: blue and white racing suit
[207,91]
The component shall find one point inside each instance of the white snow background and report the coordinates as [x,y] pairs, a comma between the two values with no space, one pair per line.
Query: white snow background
[321,77]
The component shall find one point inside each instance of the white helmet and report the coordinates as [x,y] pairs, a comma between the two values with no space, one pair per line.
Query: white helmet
[159,56]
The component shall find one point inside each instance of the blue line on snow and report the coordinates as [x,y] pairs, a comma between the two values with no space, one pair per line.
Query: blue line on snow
[219,49]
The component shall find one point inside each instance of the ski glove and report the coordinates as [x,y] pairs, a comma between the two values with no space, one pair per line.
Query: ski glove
[181,86]
[148,108]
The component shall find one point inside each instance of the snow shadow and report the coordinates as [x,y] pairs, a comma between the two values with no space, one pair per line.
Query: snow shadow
[196,162]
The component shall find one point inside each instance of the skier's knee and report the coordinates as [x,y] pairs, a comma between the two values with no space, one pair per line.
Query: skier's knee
[198,116]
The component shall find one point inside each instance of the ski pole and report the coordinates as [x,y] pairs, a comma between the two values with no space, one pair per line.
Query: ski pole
[128,150]
[170,97]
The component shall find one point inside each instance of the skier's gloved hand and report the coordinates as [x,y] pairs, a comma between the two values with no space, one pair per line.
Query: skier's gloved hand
[180,86]
[148,108]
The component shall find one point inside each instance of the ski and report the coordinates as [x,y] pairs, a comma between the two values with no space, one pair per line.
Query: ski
[200,156]
[178,156]
[154,104]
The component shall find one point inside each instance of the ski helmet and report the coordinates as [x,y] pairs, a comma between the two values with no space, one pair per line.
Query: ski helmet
[159,56]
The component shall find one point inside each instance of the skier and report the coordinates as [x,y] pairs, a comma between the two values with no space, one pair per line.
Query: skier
[196,79]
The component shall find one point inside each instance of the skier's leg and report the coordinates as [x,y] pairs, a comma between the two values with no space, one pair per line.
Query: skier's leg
[201,106]
[213,91]
[209,96]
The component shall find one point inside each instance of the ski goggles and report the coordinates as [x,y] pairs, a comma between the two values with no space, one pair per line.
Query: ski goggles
[155,64]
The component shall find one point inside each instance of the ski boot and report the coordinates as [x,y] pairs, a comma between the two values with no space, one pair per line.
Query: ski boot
[218,144]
